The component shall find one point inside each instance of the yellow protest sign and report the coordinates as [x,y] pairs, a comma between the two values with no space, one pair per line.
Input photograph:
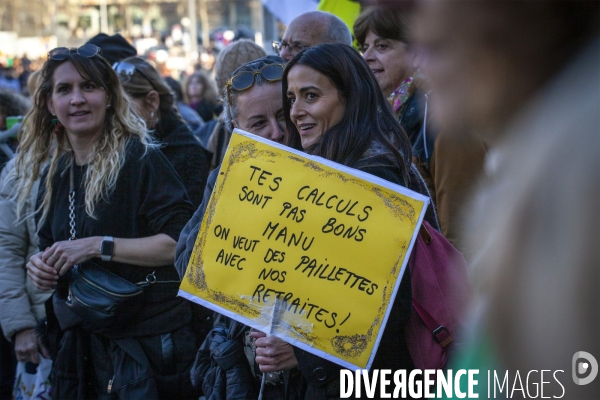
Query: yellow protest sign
[329,243]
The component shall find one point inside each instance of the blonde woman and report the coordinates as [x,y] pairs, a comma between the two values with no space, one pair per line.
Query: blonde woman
[118,196]
[155,102]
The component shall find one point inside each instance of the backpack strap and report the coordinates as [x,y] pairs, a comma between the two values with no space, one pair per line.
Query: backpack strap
[424,233]
[439,332]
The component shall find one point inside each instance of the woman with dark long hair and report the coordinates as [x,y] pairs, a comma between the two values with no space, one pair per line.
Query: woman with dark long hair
[334,109]
[364,135]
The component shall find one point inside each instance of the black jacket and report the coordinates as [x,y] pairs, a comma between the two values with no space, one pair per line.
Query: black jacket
[148,199]
[221,368]
[189,158]
[412,121]
[322,376]
[187,238]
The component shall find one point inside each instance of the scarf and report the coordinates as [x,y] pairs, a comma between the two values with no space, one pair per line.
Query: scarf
[401,94]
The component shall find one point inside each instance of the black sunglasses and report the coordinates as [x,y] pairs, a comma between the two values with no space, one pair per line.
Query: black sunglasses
[245,80]
[128,69]
[61,53]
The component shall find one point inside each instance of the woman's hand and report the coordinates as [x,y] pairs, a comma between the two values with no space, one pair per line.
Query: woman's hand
[62,256]
[273,354]
[42,275]
[26,346]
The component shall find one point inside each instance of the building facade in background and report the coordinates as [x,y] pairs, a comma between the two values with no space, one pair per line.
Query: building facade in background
[163,26]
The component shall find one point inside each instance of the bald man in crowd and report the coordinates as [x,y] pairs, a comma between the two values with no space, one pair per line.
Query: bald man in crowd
[310,29]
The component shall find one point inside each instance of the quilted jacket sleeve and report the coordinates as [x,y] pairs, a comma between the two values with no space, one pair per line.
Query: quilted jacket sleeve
[21,303]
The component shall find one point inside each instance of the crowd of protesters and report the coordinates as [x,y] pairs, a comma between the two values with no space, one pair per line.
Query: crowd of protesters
[488,108]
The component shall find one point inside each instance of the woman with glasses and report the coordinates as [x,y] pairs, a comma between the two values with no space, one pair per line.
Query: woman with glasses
[384,38]
[254,103]
[214,135]
[449,166]
[156,103]
[110,201]
[325,117]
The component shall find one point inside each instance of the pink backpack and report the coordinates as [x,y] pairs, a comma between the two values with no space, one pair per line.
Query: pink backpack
[440,294]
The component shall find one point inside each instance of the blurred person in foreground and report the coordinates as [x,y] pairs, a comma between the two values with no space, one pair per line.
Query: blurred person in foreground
[253,103]
[310,29]
[155,102]
[111,196]
[525,76]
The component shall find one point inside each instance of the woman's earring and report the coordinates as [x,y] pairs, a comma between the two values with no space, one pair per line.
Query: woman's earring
[58,127]
[152,114]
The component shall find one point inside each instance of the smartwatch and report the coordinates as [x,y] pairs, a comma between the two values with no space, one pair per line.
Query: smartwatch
[107,248]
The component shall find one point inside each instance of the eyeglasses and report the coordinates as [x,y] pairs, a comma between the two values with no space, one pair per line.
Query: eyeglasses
[61,53]
[245,80]
[295,48]
[128,69]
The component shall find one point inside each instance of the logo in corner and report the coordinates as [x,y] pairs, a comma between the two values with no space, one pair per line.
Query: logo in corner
[584,363]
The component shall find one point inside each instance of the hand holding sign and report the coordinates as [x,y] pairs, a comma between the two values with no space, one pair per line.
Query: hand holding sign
[327,241]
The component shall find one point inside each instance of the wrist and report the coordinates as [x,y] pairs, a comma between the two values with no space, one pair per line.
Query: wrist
[22,332]
[107,248]
[95,246]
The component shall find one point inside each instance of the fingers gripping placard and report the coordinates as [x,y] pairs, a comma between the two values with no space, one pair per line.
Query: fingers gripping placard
[329,241]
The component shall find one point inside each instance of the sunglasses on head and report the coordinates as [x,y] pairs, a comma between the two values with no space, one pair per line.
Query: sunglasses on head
[245,80]
[128,69]
[61,53]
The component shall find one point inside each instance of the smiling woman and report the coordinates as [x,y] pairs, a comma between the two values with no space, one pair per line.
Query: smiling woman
[316,104]
[385,38]
[110,200]
[254,104]
[253,98]
[80,106]
[325,117]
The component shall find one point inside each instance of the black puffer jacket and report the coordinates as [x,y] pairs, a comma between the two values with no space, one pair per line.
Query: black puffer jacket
[221,368]
[185,153]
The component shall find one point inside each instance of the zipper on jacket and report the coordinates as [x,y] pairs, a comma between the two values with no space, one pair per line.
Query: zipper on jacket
[110,384]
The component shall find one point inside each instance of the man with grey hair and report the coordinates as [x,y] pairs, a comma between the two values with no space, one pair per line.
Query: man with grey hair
[310,29]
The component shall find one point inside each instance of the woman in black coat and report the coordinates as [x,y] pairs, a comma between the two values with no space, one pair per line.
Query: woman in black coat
[334,109]
[155,102]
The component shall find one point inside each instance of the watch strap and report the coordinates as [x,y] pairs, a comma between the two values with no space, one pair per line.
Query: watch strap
[104,253]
